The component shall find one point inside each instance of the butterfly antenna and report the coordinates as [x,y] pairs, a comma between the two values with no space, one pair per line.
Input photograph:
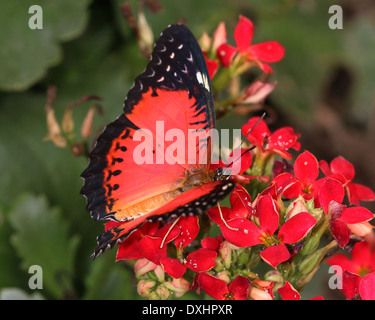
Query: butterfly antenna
[246,151]
[243,140]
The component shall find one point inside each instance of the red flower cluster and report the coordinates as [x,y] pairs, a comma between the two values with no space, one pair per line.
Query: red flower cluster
[245,54]
[276,215]
[282,224]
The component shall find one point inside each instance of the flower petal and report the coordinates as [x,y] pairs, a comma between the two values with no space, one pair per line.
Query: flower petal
[189,229]
[219,37]
[359,192]
[150,248]
[246,233]
[258,133]
[297,227]
[240,202]
[173,267]
[257,91]
[210,243]
[343,261]
[274,255]
[243,33]
[201,260]
[340,232]
[306,168]
[330,190]
[129,248]
[212,67]
[287,185]
[367,287]
[350,284]
[214,214]
[269,51]
[283,139]
[213,286]
[342,166]
[355,215]
[361,254]
[288,292]
[323,165]
[225,54]
[240,288]
[268,214]
[239,162]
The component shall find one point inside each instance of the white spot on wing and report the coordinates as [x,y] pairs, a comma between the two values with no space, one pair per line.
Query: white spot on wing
[202,79]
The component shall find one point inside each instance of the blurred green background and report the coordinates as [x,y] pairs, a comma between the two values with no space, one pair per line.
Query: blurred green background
[325,91]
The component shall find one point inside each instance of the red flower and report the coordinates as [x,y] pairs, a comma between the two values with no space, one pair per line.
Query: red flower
[241,207]
[245,233]
[361,262]
[359,271]
[278,142]
[341,216]
[270,51]
[343,171]
[149,242]
[218,289]
[305,183]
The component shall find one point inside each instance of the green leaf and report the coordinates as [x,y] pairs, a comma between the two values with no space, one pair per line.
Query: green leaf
[41,238]
[109,280]
[28,53]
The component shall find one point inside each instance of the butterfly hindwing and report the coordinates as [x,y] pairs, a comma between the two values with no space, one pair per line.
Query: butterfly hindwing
[192,202]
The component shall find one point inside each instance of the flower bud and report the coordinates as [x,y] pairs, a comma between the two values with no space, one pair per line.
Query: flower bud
[244,256]
[219,37]
[225,252]
[144,287]
[257,92]
[54,131]
[178,286]
[274,276]
[162,293]
[67,121]
[295,207]
[143,266]
[86,127]
[313,239]
[311,261]
[145,35]
[225,276]
[205,42]
[259,294]
[362,229]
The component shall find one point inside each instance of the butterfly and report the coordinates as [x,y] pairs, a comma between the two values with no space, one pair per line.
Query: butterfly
[174,90]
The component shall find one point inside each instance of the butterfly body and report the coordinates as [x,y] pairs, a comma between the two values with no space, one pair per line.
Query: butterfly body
[171,97]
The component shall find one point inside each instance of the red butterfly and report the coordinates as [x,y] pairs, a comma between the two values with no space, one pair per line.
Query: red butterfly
[174,89]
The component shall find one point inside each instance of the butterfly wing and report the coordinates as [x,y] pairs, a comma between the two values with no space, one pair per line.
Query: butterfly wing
[174,91]
[172,95]
[194,201]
